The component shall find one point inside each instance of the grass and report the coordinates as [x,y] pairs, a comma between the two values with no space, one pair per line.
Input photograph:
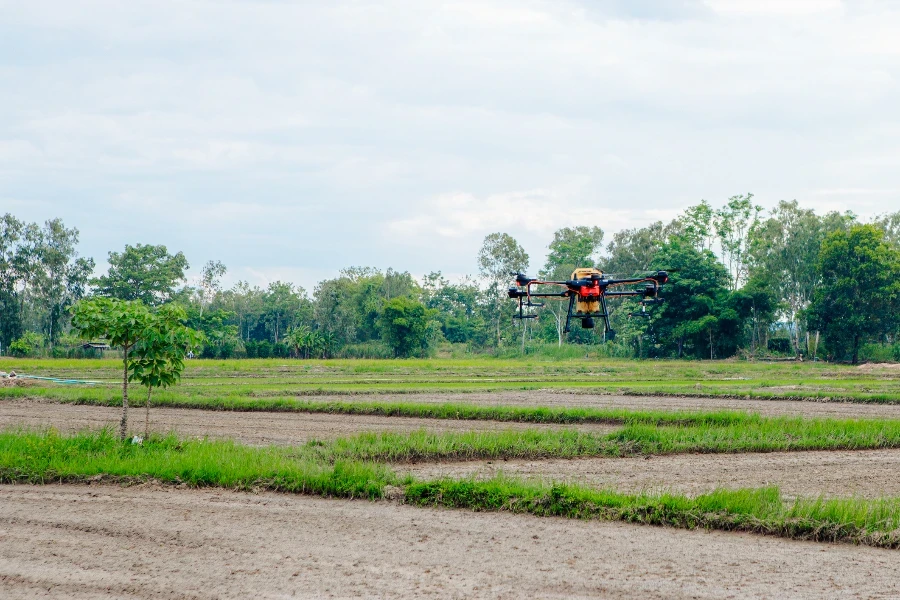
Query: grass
[870,522]
[47,457]
[756,434]
[278,378]
[44,457]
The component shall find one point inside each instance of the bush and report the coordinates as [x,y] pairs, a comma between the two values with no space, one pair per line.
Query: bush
[250,348]
[365,350]
[880,353]
[281,350]
[30,344]
[264,349]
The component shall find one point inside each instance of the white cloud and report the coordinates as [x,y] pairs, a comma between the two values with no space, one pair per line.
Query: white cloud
[315,135]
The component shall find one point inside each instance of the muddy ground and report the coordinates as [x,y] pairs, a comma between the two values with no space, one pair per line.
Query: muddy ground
[255,428]
[87,542]
[837,410]
[863,473]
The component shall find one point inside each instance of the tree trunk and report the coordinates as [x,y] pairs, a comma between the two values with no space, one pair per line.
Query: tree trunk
[710,345]
[123,424]
[680,346]
[147,414]
[855,349]
[816,347]
[524,331]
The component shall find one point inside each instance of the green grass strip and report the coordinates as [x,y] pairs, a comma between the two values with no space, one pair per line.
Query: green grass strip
[47,457]
[869,522]
[761,435]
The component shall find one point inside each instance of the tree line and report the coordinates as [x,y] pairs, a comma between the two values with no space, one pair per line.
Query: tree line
[743,281]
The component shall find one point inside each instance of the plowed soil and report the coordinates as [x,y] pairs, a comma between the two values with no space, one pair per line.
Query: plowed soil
[864,473]
[87,542]
[254,428]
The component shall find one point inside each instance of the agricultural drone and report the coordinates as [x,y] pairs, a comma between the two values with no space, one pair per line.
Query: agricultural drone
[587,291]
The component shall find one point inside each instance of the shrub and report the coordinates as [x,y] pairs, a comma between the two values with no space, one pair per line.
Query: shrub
[30,344]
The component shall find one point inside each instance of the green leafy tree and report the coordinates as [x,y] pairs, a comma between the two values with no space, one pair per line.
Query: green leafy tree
[632,250]
[575,247]
[122,323]
[499,256]
[785,253]
[157,360]
[859,297]
[698,315]
[210,282]
[890,223]
[698,226]
[10,313]
[61,277]
[143,272]
[736,224]
[404,322]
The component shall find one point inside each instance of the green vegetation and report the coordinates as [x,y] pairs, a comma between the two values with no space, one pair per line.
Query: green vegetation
[224,383]
[46,457]
[870,522]
[159,339]
[30,457]
[742,283]
[755,435]
[860,295]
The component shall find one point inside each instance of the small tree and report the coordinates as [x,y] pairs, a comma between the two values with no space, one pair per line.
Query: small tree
[158,358]
[123,323]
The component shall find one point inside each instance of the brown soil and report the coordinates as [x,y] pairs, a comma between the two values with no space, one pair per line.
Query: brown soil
[846,410]
[256,428]
[87,542]
[864,473]
[8,382]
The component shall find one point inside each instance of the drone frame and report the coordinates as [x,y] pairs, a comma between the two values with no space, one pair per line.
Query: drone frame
[587,292]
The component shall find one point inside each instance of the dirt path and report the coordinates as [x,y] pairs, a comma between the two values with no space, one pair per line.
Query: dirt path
[108,542]
[257,428]
[839,410]
[867,473]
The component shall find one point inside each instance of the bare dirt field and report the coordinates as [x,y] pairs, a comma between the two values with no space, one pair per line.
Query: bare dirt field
[772,408]
[102,541]
[254,428]
[863,473]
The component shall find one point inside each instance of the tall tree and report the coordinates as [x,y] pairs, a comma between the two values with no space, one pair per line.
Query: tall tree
[785,253]
[736,225]
[571,248]
[698,225]
[499,256]
[62,277]
[698,315]
[10,312]
[890,223]
[210,282]
[859,297]
[143,272]
[632,250]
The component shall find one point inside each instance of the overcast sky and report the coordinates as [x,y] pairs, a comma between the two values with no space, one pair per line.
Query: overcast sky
[291,139]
